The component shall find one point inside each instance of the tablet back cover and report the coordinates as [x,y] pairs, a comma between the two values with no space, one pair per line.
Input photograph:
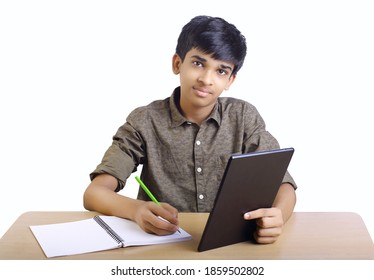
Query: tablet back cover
[250,181]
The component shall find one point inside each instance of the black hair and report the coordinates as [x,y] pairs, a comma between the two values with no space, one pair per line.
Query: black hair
[214,36]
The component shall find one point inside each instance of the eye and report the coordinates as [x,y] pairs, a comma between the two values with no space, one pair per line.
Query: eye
[197,63]
[222,72]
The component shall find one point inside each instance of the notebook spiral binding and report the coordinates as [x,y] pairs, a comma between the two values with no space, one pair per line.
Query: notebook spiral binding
[109,230]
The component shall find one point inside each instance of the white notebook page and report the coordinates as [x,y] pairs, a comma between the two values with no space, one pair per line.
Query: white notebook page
[73,238]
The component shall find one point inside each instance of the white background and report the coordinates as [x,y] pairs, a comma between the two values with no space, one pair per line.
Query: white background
[71,71]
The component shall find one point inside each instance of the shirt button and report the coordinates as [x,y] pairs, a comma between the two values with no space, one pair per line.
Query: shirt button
[201,196]
[198,142]
[199,169]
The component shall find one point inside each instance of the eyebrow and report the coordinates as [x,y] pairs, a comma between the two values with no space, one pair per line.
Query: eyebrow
[201,59]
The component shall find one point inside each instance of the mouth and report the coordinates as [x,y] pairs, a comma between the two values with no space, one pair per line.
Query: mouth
[201,92]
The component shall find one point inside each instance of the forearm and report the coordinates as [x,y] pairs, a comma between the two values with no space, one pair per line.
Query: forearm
[100,196]
[103,199]
[285,200]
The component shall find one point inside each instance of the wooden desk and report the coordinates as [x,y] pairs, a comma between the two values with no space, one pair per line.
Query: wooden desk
[305,236]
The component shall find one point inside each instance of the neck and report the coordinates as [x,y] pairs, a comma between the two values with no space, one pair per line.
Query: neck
[196,115]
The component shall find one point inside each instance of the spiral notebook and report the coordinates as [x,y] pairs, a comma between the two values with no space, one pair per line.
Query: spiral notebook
[97,234]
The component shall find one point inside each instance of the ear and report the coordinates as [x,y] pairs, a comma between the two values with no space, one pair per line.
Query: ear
[229,83]
[176,62]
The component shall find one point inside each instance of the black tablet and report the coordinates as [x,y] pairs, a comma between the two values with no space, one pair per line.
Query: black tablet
[250,181]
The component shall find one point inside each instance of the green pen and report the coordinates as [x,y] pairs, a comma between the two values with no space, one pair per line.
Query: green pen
[148,192]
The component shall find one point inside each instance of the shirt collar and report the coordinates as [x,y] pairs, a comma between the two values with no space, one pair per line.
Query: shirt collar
[178,119]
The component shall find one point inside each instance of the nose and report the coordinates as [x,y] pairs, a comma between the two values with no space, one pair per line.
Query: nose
[206,77]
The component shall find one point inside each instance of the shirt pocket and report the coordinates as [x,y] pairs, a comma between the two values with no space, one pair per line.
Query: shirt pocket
[175,164]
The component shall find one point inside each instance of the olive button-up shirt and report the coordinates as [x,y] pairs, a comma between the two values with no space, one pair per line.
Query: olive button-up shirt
[183,163]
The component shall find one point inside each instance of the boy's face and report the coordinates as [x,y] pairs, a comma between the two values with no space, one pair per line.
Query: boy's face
[202,79]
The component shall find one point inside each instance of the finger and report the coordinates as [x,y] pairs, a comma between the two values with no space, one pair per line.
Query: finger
[162,219]
[256,214]
[269,222]
[262,212]
[172,213]
[264,239]
[167,213]
[170,208]
[163,228]
[269,232]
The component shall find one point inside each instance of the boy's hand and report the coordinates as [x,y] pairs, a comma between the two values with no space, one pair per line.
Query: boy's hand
[155,219]
[269,224]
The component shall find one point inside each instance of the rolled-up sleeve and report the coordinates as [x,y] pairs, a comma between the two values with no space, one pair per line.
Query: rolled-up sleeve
[123,156]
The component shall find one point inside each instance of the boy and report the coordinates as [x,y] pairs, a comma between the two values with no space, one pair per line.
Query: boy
[184,141]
